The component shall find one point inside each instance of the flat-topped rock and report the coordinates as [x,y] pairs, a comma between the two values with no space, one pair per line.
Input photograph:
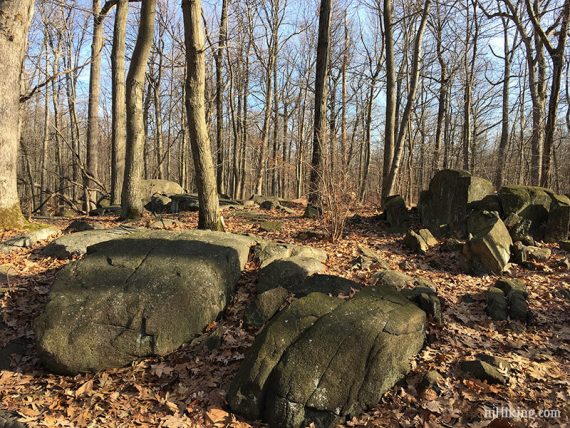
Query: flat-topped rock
[143,294]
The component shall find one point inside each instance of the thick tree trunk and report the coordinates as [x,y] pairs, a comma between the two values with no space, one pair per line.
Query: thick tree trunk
[15,17]
[320,119]
[119,102]
[209,214]
[131,201]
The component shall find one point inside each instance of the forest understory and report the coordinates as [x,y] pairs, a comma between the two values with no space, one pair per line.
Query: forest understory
[188,387]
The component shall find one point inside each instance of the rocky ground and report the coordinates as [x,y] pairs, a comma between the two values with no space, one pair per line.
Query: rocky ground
[188,387]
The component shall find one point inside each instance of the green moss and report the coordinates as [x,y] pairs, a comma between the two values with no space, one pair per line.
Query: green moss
[12,218]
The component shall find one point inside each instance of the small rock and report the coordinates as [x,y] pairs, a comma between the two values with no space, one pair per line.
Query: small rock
[313,211]
[269,205]
[427,237]
[271,226]
[564,293]
[497,307]
[565,245]
[518,307]
[482,370]
[414,242]
[81,226]
[506,285]
[537,254]
[393,278]
[163,223]
[265,306]
[288,272]
[311,234]
[432,380]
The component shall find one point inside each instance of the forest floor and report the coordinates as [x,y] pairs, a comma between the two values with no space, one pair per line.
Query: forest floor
[187,387]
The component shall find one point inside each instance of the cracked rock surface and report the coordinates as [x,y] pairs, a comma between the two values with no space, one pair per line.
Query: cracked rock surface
[323,358]
[143,294]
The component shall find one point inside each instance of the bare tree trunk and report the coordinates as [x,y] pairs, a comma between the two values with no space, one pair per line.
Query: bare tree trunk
[15,17]
[93,107]
[220,96]
[505,125]
[390,123]
[131,202]
[119,102]
[344,94]
[44,192]
[390,185]
[209,214]
[320,119]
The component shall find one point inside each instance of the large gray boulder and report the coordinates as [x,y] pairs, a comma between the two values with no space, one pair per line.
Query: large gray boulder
[451,196]
[140,295]
[324,358]
[488,249]
[76,244]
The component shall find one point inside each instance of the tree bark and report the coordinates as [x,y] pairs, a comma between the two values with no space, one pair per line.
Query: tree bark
[131,201]
[118,102]
[15,18]
[320,118]
[220,96]
[390,123]
[209,213]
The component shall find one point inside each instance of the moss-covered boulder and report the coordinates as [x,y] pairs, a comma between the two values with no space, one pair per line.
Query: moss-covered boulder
[452,195]
[140,295]
[324,358]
